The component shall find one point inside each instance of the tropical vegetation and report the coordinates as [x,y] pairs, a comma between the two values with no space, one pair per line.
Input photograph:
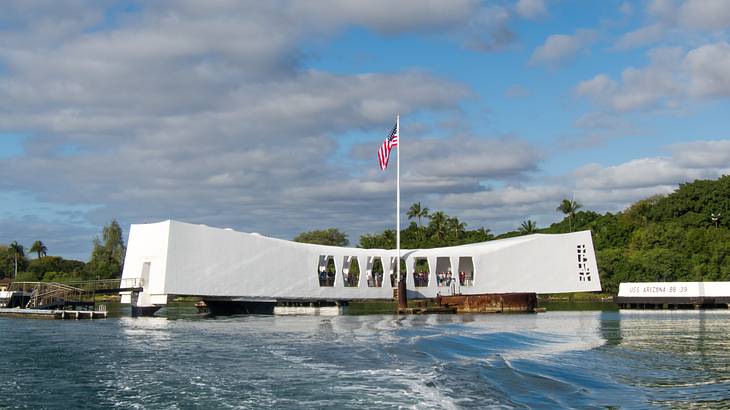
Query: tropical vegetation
[106,260]
[331,236]
[682,236]
[39,248]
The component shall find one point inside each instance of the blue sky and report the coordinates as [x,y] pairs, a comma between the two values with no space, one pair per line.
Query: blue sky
[266,117]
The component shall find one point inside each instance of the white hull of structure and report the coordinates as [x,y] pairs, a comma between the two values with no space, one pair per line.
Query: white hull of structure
[175,258]
[309,310]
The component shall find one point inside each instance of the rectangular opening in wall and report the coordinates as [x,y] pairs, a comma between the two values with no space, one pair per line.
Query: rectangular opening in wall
[466,271]
[351,273]
[421,272]
[443,271]
[375,274]
[326,271]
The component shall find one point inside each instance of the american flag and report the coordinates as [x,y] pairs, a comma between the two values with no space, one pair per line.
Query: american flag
[388,144]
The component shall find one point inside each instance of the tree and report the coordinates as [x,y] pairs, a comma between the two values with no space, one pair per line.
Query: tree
[569,208]
[18,252]
[437,226]
[455,228]
[39,248]
[8,261]
[527,227]
[107,257]
[416,211]
[385,240]
[40,267]
[331,236]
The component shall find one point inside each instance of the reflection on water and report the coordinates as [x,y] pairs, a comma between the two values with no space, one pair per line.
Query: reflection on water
[681,356]
[565,359]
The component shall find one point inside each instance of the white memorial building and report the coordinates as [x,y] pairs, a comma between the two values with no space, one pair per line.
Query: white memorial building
[179,259]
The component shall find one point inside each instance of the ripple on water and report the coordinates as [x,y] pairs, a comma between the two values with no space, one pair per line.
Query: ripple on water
[558,359]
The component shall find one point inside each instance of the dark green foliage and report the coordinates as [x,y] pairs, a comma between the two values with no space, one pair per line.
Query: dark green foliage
[107,257]
[61,277]
[662,238]
[9,255]
[7,262]
[528,227]
[331,236]
[692,204]
[442,230]
[36,269]
[569,208]
[56,264]
[27,277]
[39,248]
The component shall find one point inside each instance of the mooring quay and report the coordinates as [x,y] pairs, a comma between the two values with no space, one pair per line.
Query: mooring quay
[53,313]
[673,295]
[72,300]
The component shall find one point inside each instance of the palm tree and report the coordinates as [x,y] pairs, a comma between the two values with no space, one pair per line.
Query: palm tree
[438,224]
[569,208]
[455,227]
[40,248]
[416,211]
[18,251]
[527,227]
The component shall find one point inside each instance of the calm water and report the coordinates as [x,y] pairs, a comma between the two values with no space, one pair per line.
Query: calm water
[578,359]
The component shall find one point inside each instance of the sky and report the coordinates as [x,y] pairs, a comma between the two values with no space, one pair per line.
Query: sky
[266,116]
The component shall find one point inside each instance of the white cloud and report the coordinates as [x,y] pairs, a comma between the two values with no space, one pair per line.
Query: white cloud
[559,48]
[674,22]
[384,16]
[641,37]
[709,70]
[599,188]
[702,154]
[705,14]
[671,78]
[638,173]
[598,86]
[472,157]
[203,111]
[531,9]
[662,9]
[490,30]
[206,112]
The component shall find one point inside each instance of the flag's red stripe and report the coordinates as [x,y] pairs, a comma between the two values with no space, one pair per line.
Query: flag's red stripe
[384,151]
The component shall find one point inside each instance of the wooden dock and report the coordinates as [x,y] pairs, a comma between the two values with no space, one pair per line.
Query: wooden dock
[53,313]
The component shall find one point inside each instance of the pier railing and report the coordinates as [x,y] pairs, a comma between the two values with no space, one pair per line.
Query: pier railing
[88,286]
[50,293]
[108,284]
[41,294]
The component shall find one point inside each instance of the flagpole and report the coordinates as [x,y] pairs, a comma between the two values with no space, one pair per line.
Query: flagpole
[402,303]
[397,195]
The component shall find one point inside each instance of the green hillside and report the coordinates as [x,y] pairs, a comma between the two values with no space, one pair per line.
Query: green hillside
[663,238]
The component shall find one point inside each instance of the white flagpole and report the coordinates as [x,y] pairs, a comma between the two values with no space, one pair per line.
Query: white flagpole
[397,197]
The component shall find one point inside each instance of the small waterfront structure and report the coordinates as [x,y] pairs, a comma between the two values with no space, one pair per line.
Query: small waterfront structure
[5,284]
[251,273]
[673,295]
[53,313]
